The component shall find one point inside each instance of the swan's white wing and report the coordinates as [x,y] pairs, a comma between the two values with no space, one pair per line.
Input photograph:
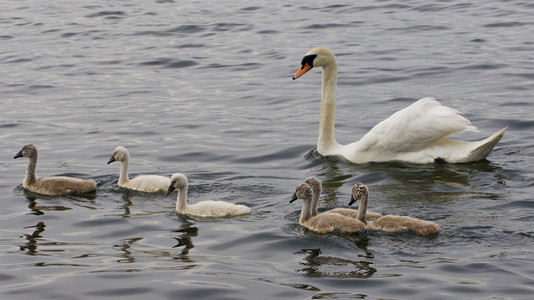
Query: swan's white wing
[415,128]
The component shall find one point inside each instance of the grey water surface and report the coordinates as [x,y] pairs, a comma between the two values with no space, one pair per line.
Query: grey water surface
[204,88]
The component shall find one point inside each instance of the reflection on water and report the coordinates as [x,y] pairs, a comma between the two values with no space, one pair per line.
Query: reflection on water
[78,200]
[31,245]
[126,255]
[186,232]
[398,182]
[316,265]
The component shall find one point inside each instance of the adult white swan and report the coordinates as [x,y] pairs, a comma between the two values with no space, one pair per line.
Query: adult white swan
[417,133]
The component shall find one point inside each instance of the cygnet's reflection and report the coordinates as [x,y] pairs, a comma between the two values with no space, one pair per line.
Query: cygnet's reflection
[31,244]
[184,239]
[316,265]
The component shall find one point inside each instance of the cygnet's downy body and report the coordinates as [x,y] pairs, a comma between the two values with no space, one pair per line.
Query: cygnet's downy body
[208,208]
[51,186]
[142,183]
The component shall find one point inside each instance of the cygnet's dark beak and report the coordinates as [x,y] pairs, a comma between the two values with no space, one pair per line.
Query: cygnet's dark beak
[293,198]
[352,200]
[18,154]
[112,159]
[170,190]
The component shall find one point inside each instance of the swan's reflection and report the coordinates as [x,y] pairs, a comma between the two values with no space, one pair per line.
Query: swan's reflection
[32,239]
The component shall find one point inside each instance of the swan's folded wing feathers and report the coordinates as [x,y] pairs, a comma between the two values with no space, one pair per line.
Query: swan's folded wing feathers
[416,127]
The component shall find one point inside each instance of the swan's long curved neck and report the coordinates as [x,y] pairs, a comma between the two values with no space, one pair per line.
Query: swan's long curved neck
[123,176]
[362,209]
[30,172]
[181,199]
[305,213]
[327,139]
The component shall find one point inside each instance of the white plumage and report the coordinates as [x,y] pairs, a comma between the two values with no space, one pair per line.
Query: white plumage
[418,133]
[142,183]
[209,208]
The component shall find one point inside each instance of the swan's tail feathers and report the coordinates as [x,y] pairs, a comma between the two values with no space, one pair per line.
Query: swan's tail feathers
[485,147]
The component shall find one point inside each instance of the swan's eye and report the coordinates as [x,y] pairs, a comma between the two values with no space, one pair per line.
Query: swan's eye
[308,60]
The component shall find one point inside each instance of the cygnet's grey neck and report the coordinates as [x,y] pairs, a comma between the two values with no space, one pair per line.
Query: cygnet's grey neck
[362,209]
[30,171]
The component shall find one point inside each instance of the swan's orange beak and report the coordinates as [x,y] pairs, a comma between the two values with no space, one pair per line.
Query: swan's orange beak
[305,68]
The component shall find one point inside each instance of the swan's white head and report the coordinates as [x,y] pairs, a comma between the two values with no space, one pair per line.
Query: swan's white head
[28,150]
[120,154]
[178,181]
[303,191]
[358,191]
[316,57]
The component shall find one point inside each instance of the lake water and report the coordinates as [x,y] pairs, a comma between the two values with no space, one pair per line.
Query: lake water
[204,88]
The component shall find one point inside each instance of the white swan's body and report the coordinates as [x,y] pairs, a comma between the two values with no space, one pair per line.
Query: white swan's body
[390,223]
[418,133]
[207,208]
[323,222]
[142,183]
[51,186]
[317,187]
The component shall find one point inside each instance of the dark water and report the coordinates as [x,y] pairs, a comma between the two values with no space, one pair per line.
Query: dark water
[204,88]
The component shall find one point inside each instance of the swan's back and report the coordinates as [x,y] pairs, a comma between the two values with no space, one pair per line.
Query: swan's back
[332,222]
[393,223]
[148,183]
[211,208]
[353,213]
[60,185]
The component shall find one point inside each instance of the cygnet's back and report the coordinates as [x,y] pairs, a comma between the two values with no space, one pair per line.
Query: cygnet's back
[353,213]
[394,223]
[209,208]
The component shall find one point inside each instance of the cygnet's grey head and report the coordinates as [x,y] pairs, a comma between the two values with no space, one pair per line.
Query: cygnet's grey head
[178,181]
[314,183]
[28,150]
[120,154]
[303,191]
[358,191]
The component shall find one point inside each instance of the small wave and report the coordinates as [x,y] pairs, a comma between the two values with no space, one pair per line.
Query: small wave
[170,63]
[108,14]
[506,24]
